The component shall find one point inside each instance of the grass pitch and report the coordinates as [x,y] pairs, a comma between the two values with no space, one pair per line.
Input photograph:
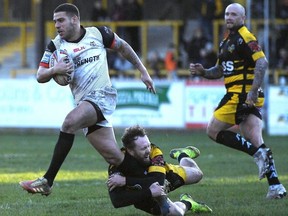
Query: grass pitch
[230,185]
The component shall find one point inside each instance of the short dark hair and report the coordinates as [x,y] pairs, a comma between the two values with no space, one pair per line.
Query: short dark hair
[131,134]
[70,9]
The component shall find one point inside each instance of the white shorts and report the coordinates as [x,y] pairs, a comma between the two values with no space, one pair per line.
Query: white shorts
[106,100]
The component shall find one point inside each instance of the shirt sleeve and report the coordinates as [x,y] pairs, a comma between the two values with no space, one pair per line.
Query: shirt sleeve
[47,54]
[255,50]
[157,160]
[107,35]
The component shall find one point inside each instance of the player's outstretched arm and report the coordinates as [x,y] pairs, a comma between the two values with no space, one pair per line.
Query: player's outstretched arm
[197,69]
[127,52]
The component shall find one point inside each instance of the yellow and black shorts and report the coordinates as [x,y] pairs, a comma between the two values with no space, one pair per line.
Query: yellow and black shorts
[233,110]
[176,175]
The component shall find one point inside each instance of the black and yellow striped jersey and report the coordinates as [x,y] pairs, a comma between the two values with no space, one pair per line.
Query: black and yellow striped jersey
[238,53]
[137,168]
[145,174]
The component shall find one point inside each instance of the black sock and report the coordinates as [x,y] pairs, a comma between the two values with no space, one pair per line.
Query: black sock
[272,176]
[187,204]
[235,141]
[61,150]
[182,155]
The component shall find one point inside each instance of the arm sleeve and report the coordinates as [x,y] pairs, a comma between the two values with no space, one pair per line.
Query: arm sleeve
[121,197]
[46,56]
[254,50]
[107,35]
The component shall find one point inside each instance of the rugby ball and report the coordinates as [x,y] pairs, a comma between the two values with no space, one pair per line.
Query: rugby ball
[64,79]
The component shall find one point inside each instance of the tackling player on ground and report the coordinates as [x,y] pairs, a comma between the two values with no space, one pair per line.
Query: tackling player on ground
[140,183]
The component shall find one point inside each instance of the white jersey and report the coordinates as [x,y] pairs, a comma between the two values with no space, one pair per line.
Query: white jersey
[90,62]
[91,81]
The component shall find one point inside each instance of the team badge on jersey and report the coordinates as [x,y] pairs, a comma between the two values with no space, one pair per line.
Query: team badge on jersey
[93,43]
[231,48]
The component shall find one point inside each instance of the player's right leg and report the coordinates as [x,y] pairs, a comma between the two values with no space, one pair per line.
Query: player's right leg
[81,116]
[39,185]
[103,140]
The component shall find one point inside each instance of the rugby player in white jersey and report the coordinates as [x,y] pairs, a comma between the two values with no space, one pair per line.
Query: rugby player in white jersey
[95,98]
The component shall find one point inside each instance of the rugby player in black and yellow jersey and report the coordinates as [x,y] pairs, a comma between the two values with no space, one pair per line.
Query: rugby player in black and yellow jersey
[142,181]
[243,64]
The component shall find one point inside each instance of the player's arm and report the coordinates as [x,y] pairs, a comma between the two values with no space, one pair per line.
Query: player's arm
[254,50]
[121,197]
[214,72]
[44,72]
[127,52]
[259,73]
[156,173]
[147,181]
[112,41]
[118,180]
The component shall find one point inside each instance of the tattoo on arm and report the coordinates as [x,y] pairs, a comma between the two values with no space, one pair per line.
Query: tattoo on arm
[259,73]
[127,52]
[213,72]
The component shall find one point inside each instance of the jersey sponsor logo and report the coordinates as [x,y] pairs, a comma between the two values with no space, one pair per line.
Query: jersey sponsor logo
[79,62]
[228,67]
[78,49]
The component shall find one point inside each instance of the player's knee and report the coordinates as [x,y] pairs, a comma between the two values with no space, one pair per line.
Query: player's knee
[193,176]
[199,175]
[212,132]
[68,125]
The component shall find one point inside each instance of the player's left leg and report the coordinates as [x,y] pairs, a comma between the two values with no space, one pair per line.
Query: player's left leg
[251,128]
[81,116]
[103,140]
[243,143]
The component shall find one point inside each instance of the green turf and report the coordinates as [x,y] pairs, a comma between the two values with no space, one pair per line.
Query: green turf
[230,185]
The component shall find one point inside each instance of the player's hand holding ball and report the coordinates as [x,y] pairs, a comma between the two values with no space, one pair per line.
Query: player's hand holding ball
[63,67]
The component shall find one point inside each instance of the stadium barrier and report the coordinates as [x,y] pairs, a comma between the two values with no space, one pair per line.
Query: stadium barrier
[183,104]
[277,73]
[26,38]
[182,73]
